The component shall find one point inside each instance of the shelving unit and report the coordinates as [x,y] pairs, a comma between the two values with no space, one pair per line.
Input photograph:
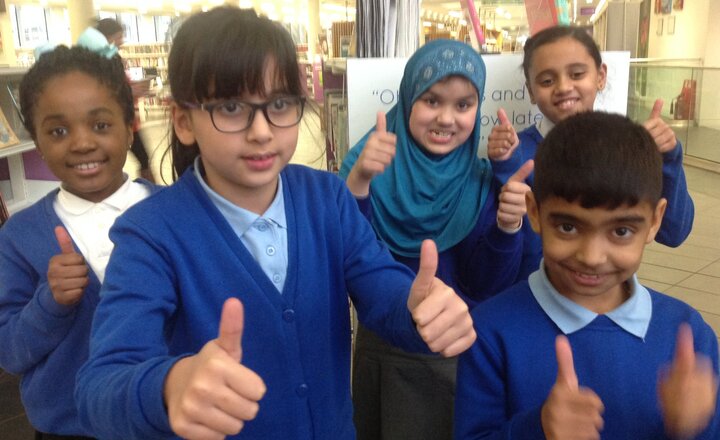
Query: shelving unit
[149,55]
[18,191]
[307,69]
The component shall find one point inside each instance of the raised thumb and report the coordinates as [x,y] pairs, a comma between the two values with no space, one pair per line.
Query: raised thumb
[657,109]
[381,123]
[232,322]
[684,350]
[566,367]
[426,270]
[525,170]
[64,240]
[503,118]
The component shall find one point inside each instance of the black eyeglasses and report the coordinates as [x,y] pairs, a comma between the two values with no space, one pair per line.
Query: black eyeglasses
[232,116]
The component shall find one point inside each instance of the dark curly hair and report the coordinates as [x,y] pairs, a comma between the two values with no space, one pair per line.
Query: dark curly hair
[63,60]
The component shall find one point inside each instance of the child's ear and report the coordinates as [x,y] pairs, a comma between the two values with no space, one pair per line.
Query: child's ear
[529,89]
[182,124]
[532,211]
[602,76]
[656,220]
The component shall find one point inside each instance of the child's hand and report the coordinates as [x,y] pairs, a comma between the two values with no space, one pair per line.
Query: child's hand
[661,133]
[512,205]
[211,395]
[503,139]
[67,272]
[441,316]
[687,389]
[570,412]
[377,154]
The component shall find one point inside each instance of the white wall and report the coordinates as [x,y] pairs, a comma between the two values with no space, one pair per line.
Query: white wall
[691,31]
[712,51]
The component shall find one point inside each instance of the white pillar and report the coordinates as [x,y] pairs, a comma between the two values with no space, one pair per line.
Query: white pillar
[81,14]
[7,55]
[313,28]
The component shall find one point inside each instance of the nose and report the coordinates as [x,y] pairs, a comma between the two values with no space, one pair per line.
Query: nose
[591,251]
[564,84]
[83,141]
[446,115]
[260,130]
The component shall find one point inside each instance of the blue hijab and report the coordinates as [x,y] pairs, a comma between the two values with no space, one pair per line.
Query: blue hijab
[420,195]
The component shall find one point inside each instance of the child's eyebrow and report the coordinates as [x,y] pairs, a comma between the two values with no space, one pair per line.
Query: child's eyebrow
[567,218]
[563,218]
[99,110]
[553,70]
[61,116]
[631,218]
[431,94]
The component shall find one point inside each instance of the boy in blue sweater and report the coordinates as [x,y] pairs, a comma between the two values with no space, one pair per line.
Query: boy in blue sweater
[630,363]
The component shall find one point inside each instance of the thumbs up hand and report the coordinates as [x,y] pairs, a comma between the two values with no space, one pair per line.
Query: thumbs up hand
[687,389]
[661,133]
[512,206]
[211,394]
[570,411]
[377,154]
[503,139]
[67,272]
[440,315]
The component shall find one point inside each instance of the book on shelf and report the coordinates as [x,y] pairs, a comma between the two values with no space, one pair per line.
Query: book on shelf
[7,135]
[4,213]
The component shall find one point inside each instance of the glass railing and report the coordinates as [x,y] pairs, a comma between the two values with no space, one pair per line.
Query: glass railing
[691,94]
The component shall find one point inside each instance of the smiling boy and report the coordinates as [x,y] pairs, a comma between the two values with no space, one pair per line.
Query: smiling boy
[628,362]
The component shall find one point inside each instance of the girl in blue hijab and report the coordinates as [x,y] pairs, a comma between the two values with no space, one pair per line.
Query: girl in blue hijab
[417,175]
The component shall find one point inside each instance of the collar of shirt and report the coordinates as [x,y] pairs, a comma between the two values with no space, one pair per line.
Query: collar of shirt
[120,200]
[544,126]
[241,219]
[633,315]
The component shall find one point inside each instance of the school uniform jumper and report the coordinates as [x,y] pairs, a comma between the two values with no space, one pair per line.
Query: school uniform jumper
[177,260]
[679,214]
[481,265]
[44,342]
[506,376]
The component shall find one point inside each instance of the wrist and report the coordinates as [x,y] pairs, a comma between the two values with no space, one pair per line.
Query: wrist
[510,228]
[358,186]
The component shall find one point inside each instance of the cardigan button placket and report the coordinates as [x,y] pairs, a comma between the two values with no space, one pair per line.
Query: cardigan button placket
[289,315]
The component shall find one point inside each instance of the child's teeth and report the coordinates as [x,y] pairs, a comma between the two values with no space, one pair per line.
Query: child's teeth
[87,166]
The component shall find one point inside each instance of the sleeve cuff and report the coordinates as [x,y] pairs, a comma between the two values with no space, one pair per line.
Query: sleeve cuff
[49,305]
[673,155]
[510,231]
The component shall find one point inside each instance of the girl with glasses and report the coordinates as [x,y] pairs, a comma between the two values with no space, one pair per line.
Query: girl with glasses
[225,306]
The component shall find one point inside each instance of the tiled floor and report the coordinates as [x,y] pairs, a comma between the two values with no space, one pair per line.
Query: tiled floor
[690,272]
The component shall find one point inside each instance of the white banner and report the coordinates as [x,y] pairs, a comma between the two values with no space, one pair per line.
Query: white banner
[373,85]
